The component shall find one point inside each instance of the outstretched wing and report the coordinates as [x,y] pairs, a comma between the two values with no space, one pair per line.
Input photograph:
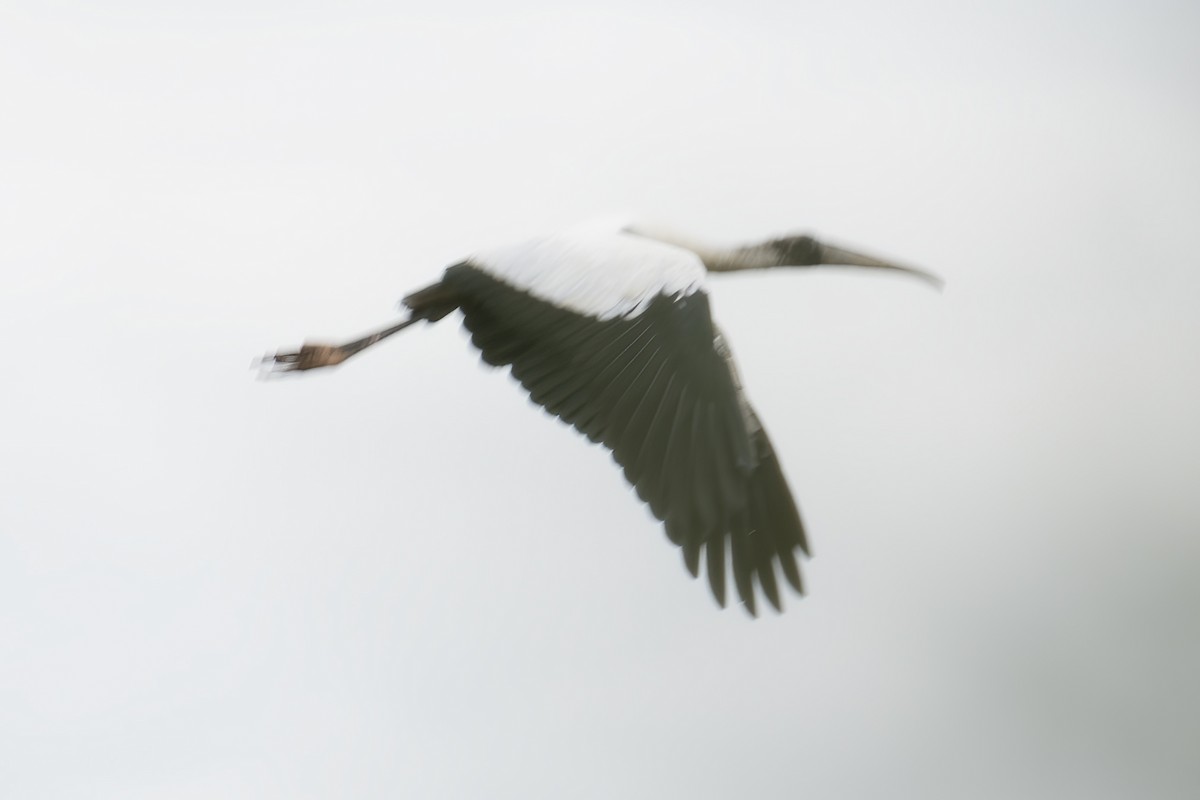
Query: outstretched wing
[656,386]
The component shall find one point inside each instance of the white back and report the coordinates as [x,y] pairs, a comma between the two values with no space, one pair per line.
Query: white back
[602,273]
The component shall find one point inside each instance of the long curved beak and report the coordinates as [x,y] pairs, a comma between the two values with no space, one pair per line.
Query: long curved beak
[840,257]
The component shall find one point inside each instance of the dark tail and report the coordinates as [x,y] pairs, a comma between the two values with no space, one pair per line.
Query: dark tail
[431,303]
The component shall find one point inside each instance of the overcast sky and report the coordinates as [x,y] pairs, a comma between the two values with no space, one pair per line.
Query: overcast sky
[401,579]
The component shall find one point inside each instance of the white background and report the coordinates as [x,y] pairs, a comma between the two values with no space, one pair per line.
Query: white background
[400,579]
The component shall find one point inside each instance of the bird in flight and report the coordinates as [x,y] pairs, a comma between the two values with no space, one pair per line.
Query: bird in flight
[609,329]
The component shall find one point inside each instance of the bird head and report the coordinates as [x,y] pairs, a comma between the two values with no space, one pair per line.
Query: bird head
[805,251]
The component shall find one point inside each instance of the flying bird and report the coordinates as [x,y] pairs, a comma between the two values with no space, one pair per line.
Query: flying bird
[609,329]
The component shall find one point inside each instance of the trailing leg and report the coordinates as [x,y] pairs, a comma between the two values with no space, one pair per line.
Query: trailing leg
[431,303]
[313,355]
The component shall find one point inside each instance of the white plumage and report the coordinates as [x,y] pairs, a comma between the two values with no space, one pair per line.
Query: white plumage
[600,273]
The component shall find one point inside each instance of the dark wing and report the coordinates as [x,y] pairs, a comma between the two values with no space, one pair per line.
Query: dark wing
[658,389]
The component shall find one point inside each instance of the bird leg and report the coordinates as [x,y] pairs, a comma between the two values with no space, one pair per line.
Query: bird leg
[312,355]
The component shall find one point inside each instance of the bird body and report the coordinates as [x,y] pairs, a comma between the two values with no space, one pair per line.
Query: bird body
[610,330]
[596,272]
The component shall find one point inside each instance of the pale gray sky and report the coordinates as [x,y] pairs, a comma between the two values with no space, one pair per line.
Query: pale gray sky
[401,579]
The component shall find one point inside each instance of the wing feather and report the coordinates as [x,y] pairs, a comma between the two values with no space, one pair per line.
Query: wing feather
[658,387]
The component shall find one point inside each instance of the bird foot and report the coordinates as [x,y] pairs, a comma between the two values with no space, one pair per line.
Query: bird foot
[309,356]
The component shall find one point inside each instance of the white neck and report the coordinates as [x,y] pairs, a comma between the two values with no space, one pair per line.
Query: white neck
[716,259]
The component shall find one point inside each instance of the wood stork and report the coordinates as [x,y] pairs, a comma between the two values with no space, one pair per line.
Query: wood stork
[609,329]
